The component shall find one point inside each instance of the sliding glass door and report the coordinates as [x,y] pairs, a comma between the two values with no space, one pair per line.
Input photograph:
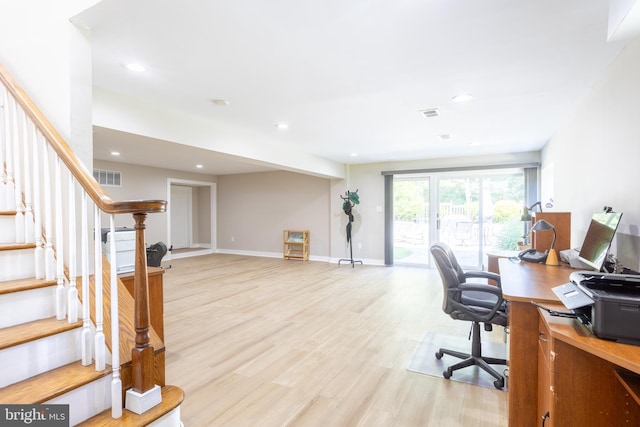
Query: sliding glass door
[473,212]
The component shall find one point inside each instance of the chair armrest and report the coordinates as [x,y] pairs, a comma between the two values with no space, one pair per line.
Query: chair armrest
[483,275]
[492,306]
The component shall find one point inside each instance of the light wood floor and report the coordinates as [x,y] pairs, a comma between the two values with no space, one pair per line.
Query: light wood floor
[271,342]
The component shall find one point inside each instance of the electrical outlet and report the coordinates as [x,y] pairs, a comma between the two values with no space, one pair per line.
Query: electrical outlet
[233,239]
[359,245]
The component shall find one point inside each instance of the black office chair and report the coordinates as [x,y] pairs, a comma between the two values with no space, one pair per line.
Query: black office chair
[474,302]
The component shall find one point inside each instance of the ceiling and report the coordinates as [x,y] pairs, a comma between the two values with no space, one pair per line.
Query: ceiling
[350,76]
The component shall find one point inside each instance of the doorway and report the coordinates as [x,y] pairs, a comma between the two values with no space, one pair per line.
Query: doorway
[191,218]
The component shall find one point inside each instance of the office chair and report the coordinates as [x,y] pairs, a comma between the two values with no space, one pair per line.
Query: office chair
[474,302]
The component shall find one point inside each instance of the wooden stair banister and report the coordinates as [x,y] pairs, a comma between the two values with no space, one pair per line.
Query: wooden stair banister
[75,166]
[142,353]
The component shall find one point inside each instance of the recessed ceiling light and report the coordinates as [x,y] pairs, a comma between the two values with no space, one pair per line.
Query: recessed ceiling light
[354,154]
[199,166]
[220,102]
[115,153]
[282,126]
[138,68]
[464,97]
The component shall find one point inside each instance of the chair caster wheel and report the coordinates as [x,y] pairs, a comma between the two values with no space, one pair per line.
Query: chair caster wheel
[439,355]
[447,374]
[499,383]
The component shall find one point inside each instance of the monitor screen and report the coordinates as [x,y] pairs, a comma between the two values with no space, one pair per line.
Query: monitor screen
[598,239]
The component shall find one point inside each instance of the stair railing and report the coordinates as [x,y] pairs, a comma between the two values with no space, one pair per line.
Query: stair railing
[30,149]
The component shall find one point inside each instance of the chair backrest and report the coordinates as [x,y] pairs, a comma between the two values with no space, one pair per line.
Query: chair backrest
[450,272]
[155,253]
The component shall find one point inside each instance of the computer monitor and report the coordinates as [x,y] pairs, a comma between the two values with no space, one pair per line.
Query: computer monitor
[598,239]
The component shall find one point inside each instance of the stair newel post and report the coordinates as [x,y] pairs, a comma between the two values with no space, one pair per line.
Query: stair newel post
[28,209]
[61,294]
[116,382]
[100,344]
[72,296]
[49,255]
[37,209]
[87,353]
[17,178]
[145,393]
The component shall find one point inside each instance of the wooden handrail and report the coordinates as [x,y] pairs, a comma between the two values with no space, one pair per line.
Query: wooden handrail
[75,166]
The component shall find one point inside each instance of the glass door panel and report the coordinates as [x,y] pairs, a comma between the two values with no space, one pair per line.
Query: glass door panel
[459,217]
[411,237]
[480,213]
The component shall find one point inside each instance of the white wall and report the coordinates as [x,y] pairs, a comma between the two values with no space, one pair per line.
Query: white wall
[51,59]
[594,159]
[146,183]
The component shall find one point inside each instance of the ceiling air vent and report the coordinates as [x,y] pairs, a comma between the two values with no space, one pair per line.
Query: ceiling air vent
[108,178]
[430,112]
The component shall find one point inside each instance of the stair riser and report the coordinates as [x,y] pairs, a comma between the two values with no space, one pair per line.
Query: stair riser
[86,401]
[8,227]
[171,419]
[17,264]
[26,306]
[33,358]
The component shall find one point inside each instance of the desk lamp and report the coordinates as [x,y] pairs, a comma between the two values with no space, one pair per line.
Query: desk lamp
[552,256]
[526,218]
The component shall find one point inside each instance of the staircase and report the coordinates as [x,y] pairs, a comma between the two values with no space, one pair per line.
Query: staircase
[58,343]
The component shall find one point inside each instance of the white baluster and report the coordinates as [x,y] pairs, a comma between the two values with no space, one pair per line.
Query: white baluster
[87,341]
[3,145]
[116,383]
[100,340]
[61,292]
[8,160]
[37,208]
[72,302]
[49,255]
[17,177]
[28,210]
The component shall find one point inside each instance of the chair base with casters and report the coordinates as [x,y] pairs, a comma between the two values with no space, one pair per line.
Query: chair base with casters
[474,359]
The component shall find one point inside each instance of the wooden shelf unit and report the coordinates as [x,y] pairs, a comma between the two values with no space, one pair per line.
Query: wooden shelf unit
[541,240]
[295,244]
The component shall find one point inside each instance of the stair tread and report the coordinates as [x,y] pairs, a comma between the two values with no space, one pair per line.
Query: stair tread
[31,331]
[7,213]
[13,246]
[51,384]
[18,285]
[172,397]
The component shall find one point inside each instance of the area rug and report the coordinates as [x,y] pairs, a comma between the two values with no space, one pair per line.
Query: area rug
[424,360]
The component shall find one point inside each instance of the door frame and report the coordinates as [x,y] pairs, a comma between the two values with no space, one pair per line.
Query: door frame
[213,217]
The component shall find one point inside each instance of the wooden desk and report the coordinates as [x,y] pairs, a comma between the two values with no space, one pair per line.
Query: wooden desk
[522,283]
[557,364]
[494,256]
[156,296]
[591,381]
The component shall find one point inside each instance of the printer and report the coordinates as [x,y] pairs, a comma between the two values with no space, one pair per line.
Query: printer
[609,304]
